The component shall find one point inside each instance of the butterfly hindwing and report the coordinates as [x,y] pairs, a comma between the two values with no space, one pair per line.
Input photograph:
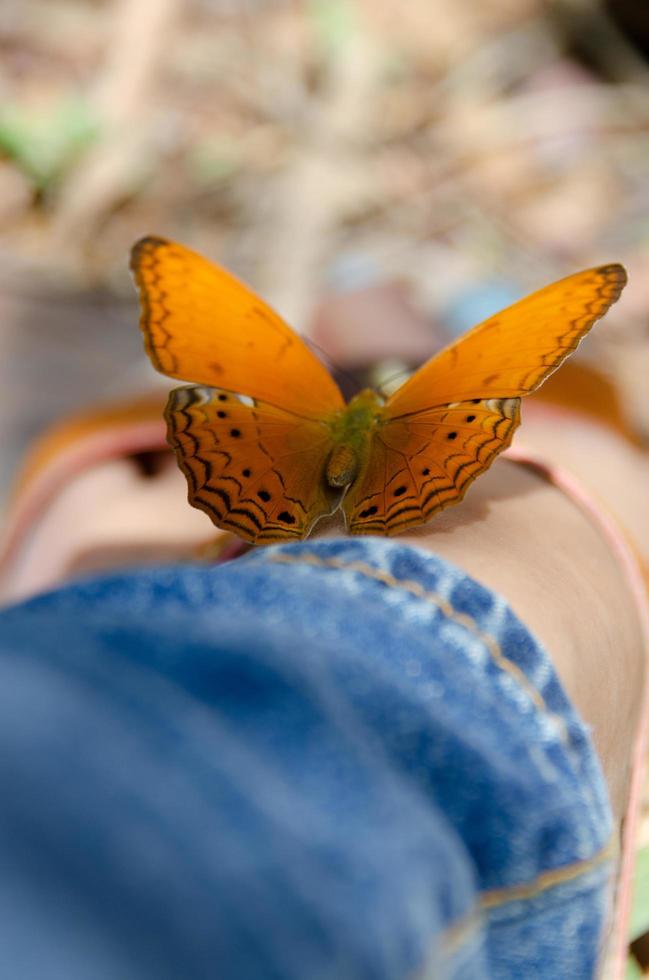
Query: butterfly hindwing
[425,462]
[253,468]
[201,324]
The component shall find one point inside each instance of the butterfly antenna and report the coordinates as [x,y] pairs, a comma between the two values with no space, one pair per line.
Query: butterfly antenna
[350,383]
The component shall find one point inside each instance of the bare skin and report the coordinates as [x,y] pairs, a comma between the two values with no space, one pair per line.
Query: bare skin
[526,540]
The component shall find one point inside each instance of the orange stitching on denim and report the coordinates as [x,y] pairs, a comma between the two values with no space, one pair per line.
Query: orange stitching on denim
[458,933]
[462,619]
[496,897]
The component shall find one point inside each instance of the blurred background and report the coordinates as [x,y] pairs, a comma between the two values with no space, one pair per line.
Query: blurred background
[469,152]
[457,153]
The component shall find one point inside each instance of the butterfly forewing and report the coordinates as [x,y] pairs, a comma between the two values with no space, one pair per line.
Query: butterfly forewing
[420,464]
[201,324]
[254,469]
[511,353]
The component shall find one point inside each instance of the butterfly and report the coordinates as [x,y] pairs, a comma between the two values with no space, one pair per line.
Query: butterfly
[265,439]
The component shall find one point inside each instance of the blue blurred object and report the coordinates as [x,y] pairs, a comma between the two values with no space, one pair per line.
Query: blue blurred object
[353,270]
[475,304]
[305,763]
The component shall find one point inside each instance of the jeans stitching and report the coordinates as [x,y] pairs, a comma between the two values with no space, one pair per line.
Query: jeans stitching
[496,897]
[462,619]
[460,932]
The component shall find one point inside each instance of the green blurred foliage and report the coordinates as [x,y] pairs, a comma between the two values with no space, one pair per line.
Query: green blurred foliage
[213,161]
[334,22]
[639,923]
[640,910]
[44,143]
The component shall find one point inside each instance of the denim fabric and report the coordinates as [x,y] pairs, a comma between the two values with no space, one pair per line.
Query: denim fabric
[341,759]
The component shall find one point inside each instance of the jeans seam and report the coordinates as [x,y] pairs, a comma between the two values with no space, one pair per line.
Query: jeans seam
[496,897]
[456,934]
[460,618]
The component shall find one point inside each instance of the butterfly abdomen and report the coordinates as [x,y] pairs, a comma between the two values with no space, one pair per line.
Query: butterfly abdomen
[351,430]
[342,466]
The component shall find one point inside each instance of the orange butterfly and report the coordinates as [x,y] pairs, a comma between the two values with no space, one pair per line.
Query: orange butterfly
[265,438]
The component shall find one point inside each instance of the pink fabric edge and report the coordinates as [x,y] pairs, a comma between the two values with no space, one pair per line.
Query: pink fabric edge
[631,567]
[95,447]
[113,442]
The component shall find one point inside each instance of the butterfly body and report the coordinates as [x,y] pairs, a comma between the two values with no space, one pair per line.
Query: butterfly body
[352,431]
[265,439]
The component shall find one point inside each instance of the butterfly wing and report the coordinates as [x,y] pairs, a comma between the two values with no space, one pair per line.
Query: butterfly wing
[446,425]
[421,464]
[511,353]
[254,469]
[201,324]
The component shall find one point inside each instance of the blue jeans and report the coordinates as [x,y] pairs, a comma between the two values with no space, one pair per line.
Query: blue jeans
[339,759]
